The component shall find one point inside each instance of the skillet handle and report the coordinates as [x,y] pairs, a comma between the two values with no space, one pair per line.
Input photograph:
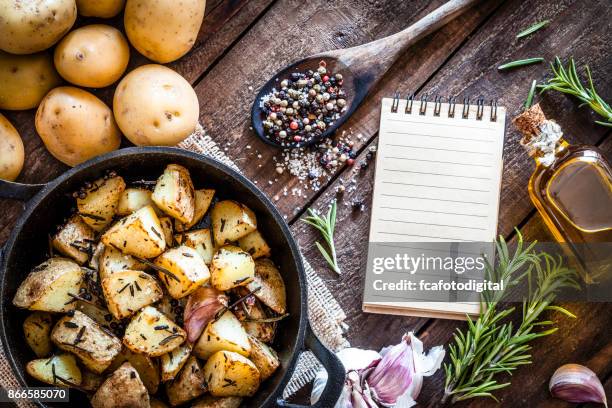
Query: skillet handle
[18,191]
[335,373]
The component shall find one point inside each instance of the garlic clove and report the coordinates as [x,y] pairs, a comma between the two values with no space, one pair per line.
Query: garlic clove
[577,383]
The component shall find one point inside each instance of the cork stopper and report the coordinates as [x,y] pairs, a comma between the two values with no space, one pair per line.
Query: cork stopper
[529,122]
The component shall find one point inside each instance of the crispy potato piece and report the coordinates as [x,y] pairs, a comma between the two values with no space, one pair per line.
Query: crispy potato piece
[200,240]
[126,292]
[37,329]
[255,245]
[272,292]
[226,333]
[152,333]
[123,389]
[100,203]
[231,267]
[85,338]
[231,221]
[49,285]
[174,193]
[172,362]
[74,239]
[98,313]
[230,374]
[167,230]
[202,198]
[138,234]
[90,381]
[55,369]
[189,268]
[133,199]
[262,331]
[208,401]
[264,357]
[112,260]
[95,256]
[147,368]
[189,384]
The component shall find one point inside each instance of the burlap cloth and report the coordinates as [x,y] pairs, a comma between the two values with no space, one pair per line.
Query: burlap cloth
[325,314]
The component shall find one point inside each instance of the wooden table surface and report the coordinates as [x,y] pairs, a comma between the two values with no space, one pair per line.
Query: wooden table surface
[242,43]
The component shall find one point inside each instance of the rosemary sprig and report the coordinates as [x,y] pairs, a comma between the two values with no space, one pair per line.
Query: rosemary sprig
[532,29]
[492,345]
[566,80]
[326,226]
[520,63]
[529,100]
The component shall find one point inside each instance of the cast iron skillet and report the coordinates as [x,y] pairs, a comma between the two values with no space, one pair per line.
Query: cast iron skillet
[51,203]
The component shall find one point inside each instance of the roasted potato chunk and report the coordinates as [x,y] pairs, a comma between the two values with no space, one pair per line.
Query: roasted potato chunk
[50,286]
[255,245]
[189,384]
[188,270]
[85,338]
[264,357]
[225,333]
[59,370]
[200,240]
[152,333]
[167,230]
[269,279]
[126,292]
[202,198]
[172,362]
[138,234]
[231,267]
[208,401]
[99,205]
[123,389]
[174,193]
[75,240]
[231,221]
[260,330]
[112,260]
[230,374]
[147,368]
[133,199]
[37,328]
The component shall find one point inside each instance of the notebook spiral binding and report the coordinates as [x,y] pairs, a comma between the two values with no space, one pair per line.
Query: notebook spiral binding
[452,104]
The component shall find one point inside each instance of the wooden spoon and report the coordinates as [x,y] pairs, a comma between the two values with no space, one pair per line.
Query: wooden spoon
[361,67]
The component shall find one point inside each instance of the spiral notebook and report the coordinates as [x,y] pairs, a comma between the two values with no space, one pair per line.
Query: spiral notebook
[438,178]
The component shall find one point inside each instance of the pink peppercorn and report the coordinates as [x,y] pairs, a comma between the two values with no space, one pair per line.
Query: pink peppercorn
[293,125]
[326,78]
[297,138]
[350,162]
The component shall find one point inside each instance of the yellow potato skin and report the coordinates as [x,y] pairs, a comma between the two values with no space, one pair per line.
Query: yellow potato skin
[75,125]
[100,8]
[11,150]
[93,56]
[163,30]
[30,26]
[155,106]
[25,79]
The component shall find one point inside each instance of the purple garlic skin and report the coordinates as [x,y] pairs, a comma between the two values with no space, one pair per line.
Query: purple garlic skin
[393,374]
[577,383]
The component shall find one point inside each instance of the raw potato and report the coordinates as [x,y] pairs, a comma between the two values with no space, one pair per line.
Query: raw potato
[189,384]
[123,389]
[231,267]
[272,292]
[101,200]
[112,260]
[262,331]
[35,25]
[133,199]
[264,357]
[255,245]
[147,368]
[138,234]
[100,8]
[200,240]
[231,374]
[226,333]
[155,106]
[126,292]
[49,285]
[152,333]
[93,56]
[167,229]
[187,266]
[202,198]
[75,126]
[25,79]
[231,221]
[37,329]
[172,362]
[53,370]
[94,346]
[11,149]
[174,193]
[160,30]
[208,401]
[74,239]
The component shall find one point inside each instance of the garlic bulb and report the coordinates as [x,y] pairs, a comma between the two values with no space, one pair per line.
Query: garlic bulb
[577,383]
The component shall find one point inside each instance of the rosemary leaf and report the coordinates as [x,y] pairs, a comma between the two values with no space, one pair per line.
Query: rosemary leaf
[326,226]
[533,29]
[520,63]
[529,100]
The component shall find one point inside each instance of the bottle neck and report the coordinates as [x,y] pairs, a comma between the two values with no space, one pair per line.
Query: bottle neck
[547,158]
